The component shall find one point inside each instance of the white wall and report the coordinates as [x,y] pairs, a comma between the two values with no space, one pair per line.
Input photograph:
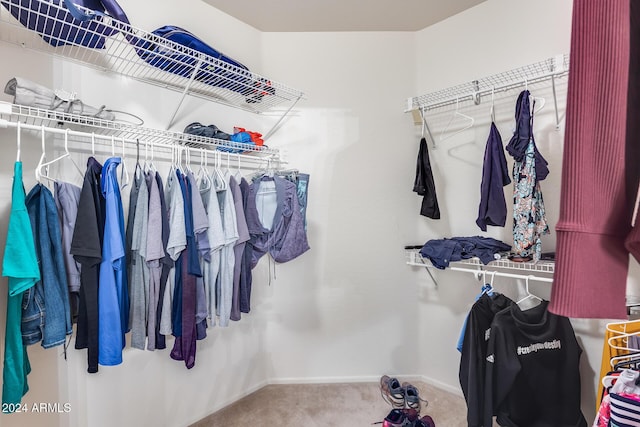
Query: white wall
[348,310]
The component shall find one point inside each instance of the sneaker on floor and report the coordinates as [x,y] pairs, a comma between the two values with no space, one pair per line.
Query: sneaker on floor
[392,391]
[412,397]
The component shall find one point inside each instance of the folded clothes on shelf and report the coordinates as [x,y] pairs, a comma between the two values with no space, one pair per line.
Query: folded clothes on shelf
[443,251]
[30,94]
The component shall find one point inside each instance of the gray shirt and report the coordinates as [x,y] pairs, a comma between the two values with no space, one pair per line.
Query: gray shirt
[67,197]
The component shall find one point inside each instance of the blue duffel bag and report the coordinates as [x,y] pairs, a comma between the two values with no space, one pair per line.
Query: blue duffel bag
[57,25]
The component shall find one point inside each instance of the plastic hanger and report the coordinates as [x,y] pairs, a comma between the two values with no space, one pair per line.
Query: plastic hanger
[625,359]
[93,144]
[43,159]
[137,171]
[187,159]
[456,114]
[18,142]
[66,154]
[492,111]
[218,178]
[124,173]
[202,177]
[529,294]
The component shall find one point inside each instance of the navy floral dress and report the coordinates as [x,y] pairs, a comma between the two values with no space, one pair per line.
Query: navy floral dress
[529,168]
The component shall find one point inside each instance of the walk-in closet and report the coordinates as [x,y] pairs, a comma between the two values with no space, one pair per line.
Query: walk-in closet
[416,214]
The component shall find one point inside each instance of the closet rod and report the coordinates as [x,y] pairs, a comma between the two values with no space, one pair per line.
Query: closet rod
[273,159]
[501,274]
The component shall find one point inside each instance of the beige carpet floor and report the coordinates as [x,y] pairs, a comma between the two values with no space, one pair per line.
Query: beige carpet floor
[322,405]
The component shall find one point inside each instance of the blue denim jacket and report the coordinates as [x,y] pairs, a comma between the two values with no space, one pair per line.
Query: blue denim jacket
[45,314]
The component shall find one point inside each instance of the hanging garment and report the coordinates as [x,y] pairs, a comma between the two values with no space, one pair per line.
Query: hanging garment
[167,265]
[184,346]
[600,170]
[200,226]
[113,292]
[131,215]
[532,371]
[176,243]
[495,175]
[216,237]
[246,277]
[473,357]
[519,143]
[238,248]
[20,265]
[424,184]
[46,315]
[274,220]
[153,256]
[139,269]
[529,219]
[86,248]
[67,197]
[224,284]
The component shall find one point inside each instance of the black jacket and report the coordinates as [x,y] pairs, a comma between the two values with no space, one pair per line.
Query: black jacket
[424,185]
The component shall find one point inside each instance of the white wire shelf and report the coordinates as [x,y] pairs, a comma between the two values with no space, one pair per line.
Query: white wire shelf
[551,68]
[541,271]
[112,49]
[54,119]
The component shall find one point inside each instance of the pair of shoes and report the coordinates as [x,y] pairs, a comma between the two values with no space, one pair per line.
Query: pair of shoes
[401,418]
[400,395]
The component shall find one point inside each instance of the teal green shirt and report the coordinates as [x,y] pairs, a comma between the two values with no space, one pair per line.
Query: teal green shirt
[20,265]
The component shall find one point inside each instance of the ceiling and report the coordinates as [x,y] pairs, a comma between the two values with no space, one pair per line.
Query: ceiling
[342,15]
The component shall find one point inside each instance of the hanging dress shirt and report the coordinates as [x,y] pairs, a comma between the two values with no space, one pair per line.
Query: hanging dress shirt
[113,292]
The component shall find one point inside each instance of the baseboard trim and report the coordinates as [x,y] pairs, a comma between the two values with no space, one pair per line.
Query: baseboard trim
[365,379]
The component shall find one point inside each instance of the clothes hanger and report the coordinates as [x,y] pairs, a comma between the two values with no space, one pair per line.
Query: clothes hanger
[43,159]
[625,359]
[456,114]
[187,159]
[124,173]
[93,144]
[492,111]
[66,154]
[610,326]
[217,177]
[625,339]
[152,166]
[529,295]
[202,177]
[18,142]
[137,171]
